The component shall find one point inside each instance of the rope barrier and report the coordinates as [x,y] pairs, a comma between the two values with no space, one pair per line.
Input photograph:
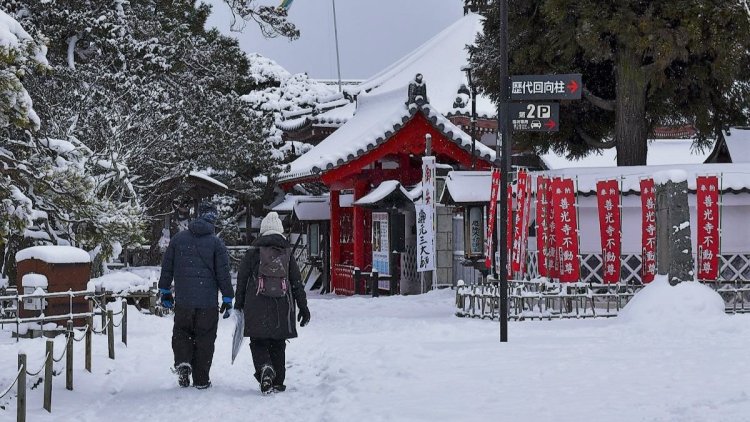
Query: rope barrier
[95,331]
[65,350]
[40,369]
[86,328]
[15,380]
[117,325]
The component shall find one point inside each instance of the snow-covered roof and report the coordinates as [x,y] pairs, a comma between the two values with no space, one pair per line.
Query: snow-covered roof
[440,60]
[54,254]
[34,280]
[660,152]
[738,143]
[208,179]
[378,117]
[384,190]
[734,177]
[467,187]
[306,207]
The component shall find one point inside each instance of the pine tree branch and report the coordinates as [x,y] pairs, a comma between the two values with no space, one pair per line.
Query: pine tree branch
[598,102]
[594,142]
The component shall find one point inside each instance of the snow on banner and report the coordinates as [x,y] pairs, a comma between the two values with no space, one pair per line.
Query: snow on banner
[608,199]
[566,220]
[491,218]
[542,224]
[708,227]
[648,235]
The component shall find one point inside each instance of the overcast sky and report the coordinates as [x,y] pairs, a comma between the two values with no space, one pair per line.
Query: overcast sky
[372,33]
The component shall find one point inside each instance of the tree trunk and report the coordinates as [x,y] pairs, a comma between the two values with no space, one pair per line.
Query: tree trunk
[631,129]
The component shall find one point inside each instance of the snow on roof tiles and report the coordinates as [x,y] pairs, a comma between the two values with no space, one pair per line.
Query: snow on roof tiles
[386,188]
[378,117]
[738,142]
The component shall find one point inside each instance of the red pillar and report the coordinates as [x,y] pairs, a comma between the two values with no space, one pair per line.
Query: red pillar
[360,190]
[335,231]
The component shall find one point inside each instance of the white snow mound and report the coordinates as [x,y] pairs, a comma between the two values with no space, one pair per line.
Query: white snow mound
[660,304]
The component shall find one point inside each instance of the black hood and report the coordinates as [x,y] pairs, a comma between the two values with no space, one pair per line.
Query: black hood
[275,240]
[201,227]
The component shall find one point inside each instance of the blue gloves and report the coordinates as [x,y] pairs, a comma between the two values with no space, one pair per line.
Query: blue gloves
[167,300]
[226,306]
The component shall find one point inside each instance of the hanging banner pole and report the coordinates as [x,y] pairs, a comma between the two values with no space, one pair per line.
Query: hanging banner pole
[492,216]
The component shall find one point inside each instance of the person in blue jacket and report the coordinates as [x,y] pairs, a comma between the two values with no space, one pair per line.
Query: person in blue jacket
[198,263]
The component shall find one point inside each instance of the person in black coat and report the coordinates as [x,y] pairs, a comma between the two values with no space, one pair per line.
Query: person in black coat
[270,321]
[198,262]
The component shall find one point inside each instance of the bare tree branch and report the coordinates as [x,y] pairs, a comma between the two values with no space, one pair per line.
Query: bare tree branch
[599,102]
[595,142]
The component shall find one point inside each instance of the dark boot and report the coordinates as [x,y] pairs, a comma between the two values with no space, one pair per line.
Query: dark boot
[183,374]
[279,388]
[267,376]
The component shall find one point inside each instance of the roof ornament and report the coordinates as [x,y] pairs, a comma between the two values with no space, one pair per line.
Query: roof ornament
[417,91]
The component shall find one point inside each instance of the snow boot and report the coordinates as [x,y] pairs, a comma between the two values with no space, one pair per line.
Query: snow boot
[267,374]
[203,387]
[279,388]
[183,374]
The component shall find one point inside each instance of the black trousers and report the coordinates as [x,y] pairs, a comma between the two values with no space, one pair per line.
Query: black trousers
[193,338]
[271,352]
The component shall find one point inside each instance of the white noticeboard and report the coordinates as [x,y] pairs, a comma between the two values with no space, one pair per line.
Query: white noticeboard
[425,238]
[380,243]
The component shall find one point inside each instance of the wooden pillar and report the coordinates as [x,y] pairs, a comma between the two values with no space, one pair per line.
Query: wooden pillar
[335,239]
[358,232]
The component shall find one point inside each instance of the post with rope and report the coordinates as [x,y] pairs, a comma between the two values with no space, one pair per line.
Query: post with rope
[69,357]
[103,309]
[21,388]
[124,321]
[110,334]
[48,361]
[89,333]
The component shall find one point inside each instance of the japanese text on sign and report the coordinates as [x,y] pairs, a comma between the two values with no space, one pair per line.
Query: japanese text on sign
[709,224]
[648,235]
[608,198]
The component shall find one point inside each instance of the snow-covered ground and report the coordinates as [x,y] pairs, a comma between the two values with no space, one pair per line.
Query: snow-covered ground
[410,359]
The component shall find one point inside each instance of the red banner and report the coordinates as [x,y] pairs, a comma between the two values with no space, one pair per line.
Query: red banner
[542,227]
[648,234]
[708,227]
[553,265]
[608,199]
[491,218]
[509,232]
[518,256]
[566,231]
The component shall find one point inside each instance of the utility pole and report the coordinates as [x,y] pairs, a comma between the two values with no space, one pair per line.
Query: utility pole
[505,162]
[336,36]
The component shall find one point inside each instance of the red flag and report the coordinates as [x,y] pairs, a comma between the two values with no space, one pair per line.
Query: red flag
[566,227]
[526,221]
[708,227]
[520,218]
[553,264]
[542,231]
[648,235]
[492,217]
[509,231]
[608,198]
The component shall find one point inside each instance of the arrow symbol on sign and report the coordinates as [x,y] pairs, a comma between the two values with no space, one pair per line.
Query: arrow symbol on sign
[550,124]
[573,86]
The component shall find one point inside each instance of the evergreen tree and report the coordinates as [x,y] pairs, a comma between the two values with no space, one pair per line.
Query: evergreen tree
[644,64]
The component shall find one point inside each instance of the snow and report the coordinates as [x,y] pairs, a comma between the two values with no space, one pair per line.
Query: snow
[738,143]
[13,36]
[34,280]
[468,186]
[208,179]
[3,283]
[410,359]
[307,208]
[383,190]
[660,152]
[123,282]
[440,61]
[54,254]
[674,176]
[58,145]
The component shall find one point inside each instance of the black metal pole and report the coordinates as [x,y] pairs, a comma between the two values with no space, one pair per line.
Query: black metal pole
[505,163]
[473,123]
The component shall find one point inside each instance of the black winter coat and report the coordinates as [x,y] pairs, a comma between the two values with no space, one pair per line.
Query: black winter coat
[267,317]
[198,262]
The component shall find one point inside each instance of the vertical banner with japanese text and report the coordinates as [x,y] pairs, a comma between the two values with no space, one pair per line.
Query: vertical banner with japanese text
[707,197]
[648,235]
[520,218]
[526,222]
[608,199]
[553,265]
[426,218]
[509,232]
[566,227]
[492,216]
[542,228]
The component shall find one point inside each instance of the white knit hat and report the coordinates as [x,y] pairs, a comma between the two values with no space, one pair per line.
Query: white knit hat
[271,224]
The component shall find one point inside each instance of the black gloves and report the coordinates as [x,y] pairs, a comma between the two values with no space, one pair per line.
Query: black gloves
[304,315]
[226,306]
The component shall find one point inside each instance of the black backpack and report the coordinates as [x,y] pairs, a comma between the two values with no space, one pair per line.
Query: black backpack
[273,271]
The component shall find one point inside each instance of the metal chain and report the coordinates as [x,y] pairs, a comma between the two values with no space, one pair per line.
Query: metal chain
[118,325]
[40,369]
[95,331]
[15,380]
[65,350]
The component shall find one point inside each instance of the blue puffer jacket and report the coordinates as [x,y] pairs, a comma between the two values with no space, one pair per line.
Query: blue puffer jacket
[198,262]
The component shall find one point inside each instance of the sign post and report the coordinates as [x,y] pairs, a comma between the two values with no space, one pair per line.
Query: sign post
[546,87]
[535,117]
[426,216]
[503,124]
